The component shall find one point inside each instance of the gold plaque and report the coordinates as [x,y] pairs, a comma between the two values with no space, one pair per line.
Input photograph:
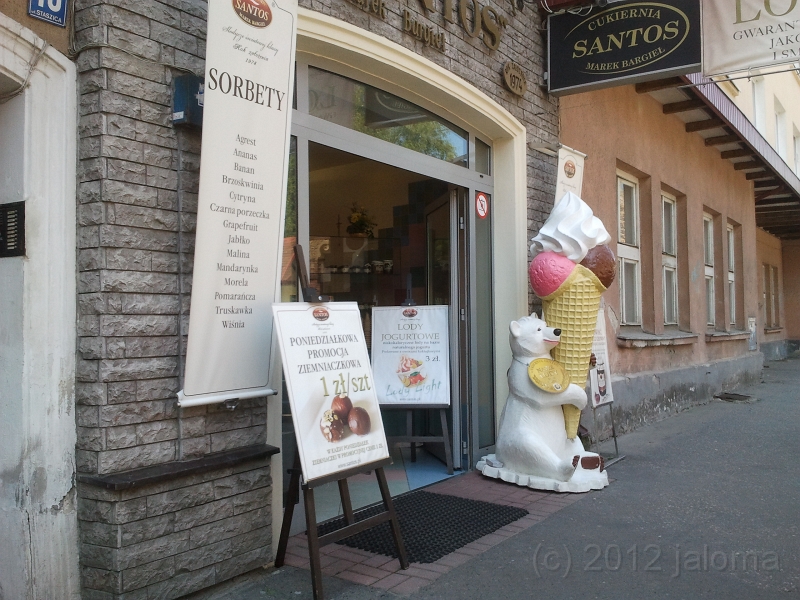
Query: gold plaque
[548,375]
[514,77]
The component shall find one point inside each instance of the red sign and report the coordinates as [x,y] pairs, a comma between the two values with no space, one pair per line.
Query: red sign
[482,205]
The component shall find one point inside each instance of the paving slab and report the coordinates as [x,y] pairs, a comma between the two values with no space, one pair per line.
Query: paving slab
[706,504]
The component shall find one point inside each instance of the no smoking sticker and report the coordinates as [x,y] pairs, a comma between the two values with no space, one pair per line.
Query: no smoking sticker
[482,205]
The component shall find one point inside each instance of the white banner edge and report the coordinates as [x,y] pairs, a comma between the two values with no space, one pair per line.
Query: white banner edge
[217,397]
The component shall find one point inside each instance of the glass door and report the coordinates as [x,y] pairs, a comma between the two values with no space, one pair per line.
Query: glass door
[382,209]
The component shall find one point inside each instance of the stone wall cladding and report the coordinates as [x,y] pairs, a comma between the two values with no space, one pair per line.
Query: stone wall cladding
[171,539]
[137,194]
[137,209]
[137,202]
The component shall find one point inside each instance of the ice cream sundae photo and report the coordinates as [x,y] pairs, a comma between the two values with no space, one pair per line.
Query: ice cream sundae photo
[410,371]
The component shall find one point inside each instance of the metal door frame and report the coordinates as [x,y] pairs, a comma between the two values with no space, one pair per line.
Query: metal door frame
[465,183]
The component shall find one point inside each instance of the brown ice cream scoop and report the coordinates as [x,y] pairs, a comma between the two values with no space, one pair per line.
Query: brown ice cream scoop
[601,261]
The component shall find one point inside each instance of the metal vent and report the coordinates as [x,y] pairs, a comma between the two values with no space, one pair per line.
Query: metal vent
[12,229]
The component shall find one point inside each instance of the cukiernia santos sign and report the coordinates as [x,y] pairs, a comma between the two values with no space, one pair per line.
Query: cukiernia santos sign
[624,43]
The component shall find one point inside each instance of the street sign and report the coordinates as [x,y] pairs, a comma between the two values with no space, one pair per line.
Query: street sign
[52,11]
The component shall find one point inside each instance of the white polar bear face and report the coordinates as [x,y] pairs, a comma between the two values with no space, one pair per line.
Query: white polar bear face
[531,337]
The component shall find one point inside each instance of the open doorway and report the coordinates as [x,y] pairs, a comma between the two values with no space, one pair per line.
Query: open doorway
[379,235]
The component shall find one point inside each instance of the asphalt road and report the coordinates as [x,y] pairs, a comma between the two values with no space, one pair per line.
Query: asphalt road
[706,504]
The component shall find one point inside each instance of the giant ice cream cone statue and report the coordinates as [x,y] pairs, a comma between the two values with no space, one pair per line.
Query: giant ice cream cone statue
[571,267]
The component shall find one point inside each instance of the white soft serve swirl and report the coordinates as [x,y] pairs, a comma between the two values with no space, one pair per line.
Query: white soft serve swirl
[571,230]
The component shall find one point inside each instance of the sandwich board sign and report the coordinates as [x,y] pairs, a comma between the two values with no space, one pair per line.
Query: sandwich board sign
[411,355]
[337,420]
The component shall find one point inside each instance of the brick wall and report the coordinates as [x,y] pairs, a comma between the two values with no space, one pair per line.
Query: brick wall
[137,196]
[170,539]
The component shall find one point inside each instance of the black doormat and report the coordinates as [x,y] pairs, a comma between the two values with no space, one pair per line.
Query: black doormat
[433,525]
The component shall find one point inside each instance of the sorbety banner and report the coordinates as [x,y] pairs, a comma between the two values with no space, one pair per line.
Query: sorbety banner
[242,197]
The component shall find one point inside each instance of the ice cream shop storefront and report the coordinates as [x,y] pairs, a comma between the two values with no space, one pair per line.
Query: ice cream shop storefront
[397,199]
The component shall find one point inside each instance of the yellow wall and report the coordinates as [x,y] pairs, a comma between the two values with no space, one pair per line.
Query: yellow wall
[18,10]
[619,128]
[783,88]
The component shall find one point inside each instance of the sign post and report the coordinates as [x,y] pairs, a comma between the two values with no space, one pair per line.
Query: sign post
[599,387]
[241,203]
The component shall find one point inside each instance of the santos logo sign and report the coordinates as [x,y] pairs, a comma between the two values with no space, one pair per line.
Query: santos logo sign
[630,41]
[253,12]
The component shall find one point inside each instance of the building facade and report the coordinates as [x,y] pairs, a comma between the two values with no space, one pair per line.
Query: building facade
[680,182]
[38,116]
[405,111]
[401,109]
[769,102]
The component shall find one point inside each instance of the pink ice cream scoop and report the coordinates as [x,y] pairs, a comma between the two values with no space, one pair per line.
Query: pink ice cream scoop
[549,270]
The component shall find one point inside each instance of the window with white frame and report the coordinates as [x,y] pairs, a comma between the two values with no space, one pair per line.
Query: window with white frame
[628,248]
[708,260]
[771,296]
[781,132]
[732,274]
[669,258]
[759,105]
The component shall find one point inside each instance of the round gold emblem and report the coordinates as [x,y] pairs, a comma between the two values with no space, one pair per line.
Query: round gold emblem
[548,375]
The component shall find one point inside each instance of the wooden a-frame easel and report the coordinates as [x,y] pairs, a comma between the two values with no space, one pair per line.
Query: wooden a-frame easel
[316,541]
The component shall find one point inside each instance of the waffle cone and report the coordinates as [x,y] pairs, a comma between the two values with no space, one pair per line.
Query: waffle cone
[573,309]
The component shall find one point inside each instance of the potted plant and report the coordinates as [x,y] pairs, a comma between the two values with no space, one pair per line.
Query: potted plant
[360,222]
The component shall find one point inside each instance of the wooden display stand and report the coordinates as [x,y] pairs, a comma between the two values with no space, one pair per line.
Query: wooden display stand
[315,541]
[414,439]
[409,408]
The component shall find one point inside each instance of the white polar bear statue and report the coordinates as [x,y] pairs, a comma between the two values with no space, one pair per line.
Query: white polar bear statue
[532,446]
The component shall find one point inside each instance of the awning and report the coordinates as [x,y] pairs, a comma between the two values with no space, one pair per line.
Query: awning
[709,112]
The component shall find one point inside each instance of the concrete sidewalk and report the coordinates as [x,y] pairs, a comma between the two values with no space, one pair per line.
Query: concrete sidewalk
[706,505]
